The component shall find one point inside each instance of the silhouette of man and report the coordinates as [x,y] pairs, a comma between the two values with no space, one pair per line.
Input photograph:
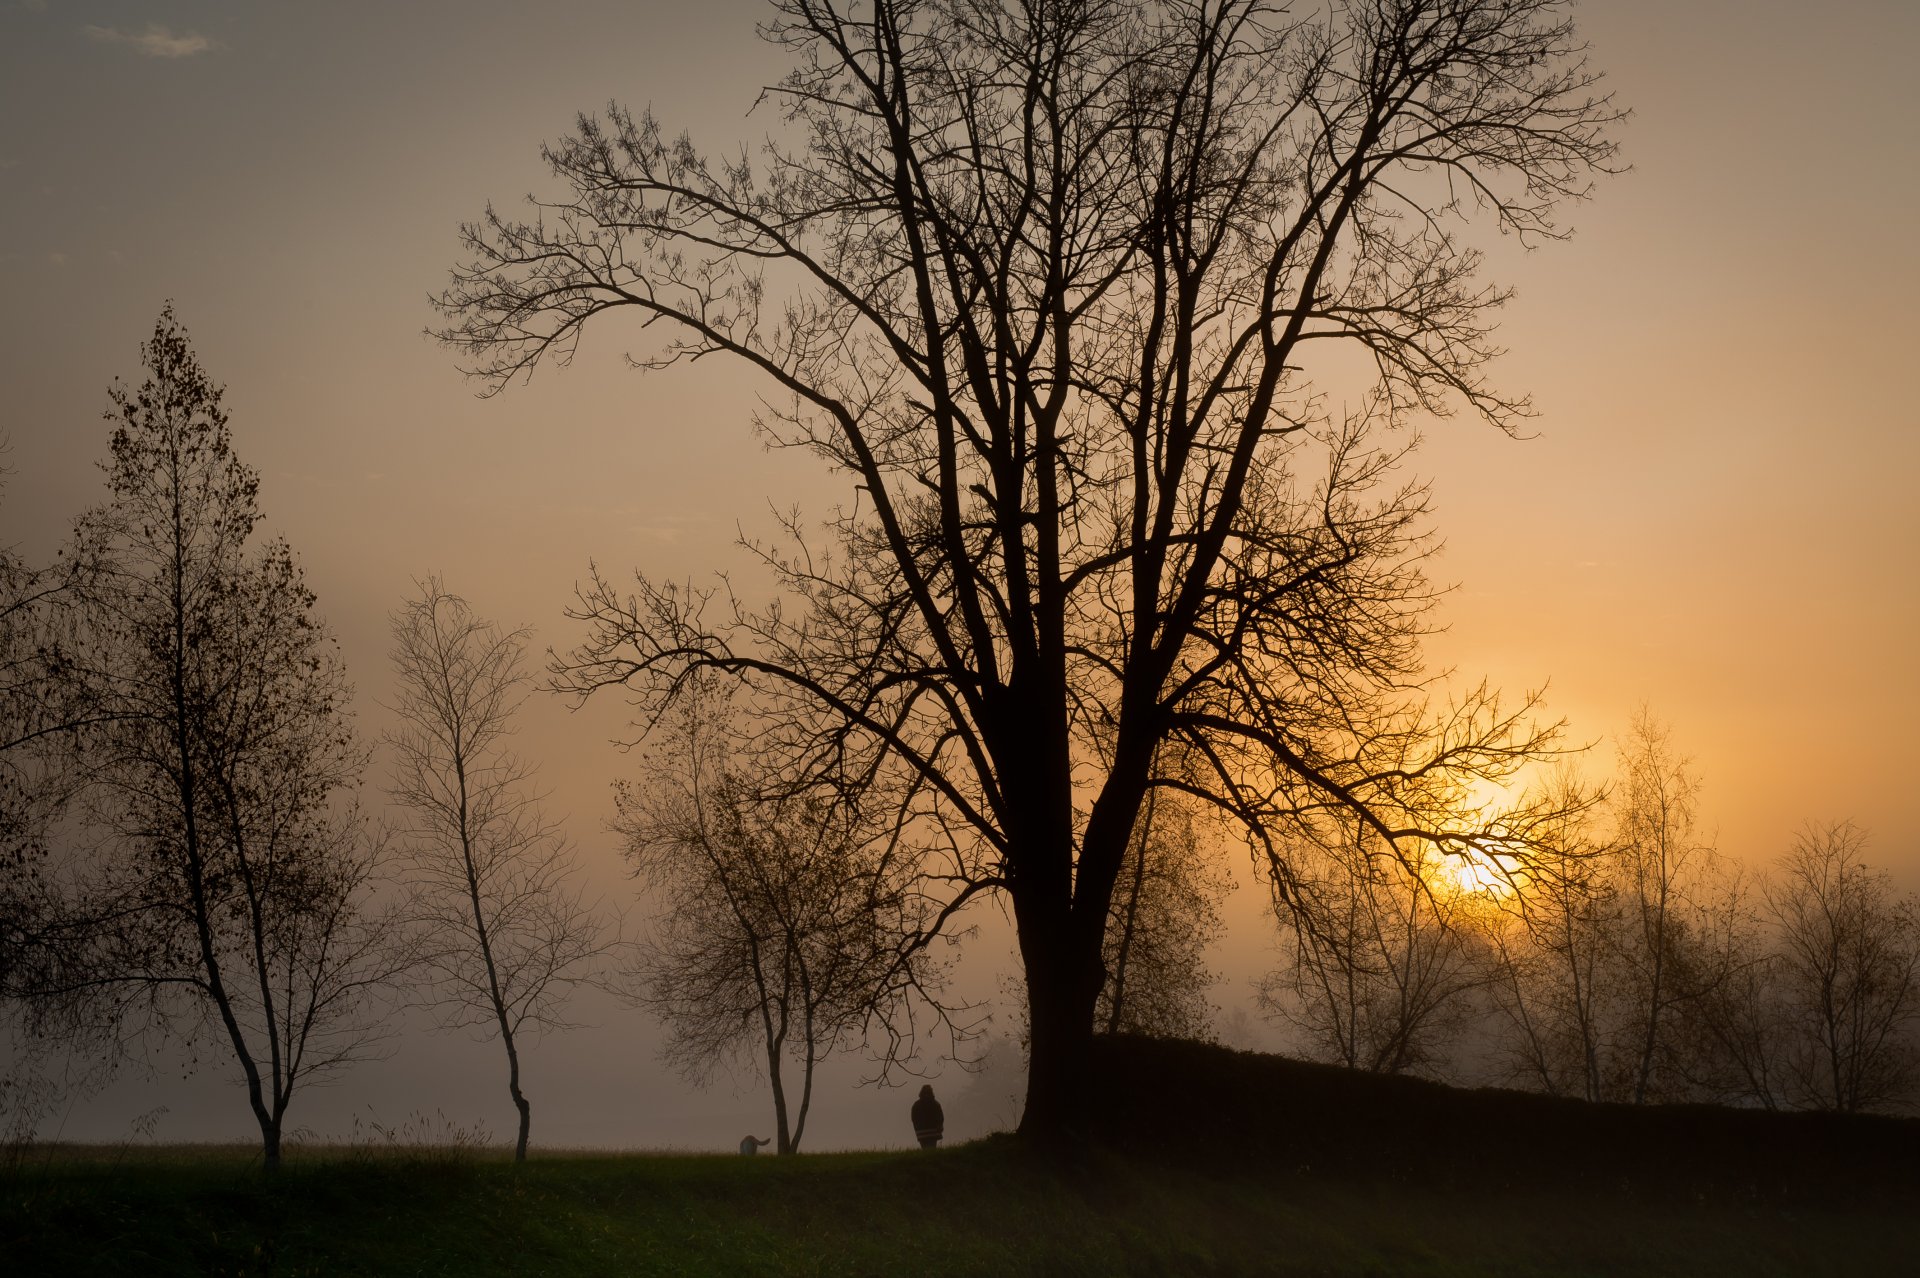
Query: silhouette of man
[929,1121]
[752,1144]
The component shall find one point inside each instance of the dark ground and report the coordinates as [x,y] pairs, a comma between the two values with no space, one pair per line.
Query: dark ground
[1215,1163]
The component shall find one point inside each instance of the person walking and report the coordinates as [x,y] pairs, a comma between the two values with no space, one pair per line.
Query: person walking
[929,1121]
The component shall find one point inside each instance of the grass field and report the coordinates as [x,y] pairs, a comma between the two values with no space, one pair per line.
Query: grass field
[1154,1205]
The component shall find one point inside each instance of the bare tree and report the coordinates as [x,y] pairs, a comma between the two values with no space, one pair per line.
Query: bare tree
[226,877]
[39,719]
[1165,916]
[505,930]
[37,723]
[1662,857]
[1053,282]
[786,926]
[1556,985]
[1729,1032]
[1383,964]
[1848,976]
[1617,945]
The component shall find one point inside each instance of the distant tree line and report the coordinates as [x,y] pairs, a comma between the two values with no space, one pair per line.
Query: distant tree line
[1631,963]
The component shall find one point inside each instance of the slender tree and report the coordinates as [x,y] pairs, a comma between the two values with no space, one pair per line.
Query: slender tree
[1848,976]
[39,722]
[1557,984]
[1165,916]
[1729,1031]
[1051,283]
[787,927]
[36,783]
[1382,965]
[1663,858]
[505,930]
[29,789]
[227,871]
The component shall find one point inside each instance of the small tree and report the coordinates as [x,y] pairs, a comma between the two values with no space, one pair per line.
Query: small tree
[787,926]
[1556,987]
[1165,915]
[1848,975]
[38,721]
[1382,964]
[226,877]
[1729,1035]
[1661,857]
[36,780]
[504,928]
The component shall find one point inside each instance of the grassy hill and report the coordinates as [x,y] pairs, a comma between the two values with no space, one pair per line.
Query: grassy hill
[1209,1103]
[1215,1163]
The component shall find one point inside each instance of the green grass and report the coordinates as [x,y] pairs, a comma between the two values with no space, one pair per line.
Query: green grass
[992,1208]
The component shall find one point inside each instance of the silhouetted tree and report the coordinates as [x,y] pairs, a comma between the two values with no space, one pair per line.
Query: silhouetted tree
[1662,857]
[787,926]
[1615,939]
[505,931]
[1383,964]
[225,876]
[35,785]
[1847,974]
[1054,280]
[1165,916]
[1728,1029]
[39,718]
[25,802]
[1557,986]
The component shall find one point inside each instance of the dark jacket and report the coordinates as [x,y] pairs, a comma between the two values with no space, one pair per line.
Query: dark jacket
[929,1122]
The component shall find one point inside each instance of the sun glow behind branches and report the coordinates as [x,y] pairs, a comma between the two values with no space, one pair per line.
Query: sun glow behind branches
[1478,871]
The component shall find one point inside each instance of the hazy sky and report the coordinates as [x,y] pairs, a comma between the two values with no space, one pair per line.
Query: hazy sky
[1716,518]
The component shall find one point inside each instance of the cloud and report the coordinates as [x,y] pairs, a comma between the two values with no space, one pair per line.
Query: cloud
[155,42]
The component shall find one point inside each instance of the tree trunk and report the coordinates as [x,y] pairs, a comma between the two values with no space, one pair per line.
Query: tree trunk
[1063,984]
[811,1059]
[269,1142]
[776,1046]
[519,1097]
[783,1133]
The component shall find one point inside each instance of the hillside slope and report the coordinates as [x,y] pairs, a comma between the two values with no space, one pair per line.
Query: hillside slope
[1198,1103]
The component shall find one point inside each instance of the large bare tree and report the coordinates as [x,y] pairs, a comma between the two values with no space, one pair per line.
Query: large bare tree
[505,930]
[1062,287]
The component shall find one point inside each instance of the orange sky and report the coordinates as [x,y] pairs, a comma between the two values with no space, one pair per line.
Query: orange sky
[1716,518]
